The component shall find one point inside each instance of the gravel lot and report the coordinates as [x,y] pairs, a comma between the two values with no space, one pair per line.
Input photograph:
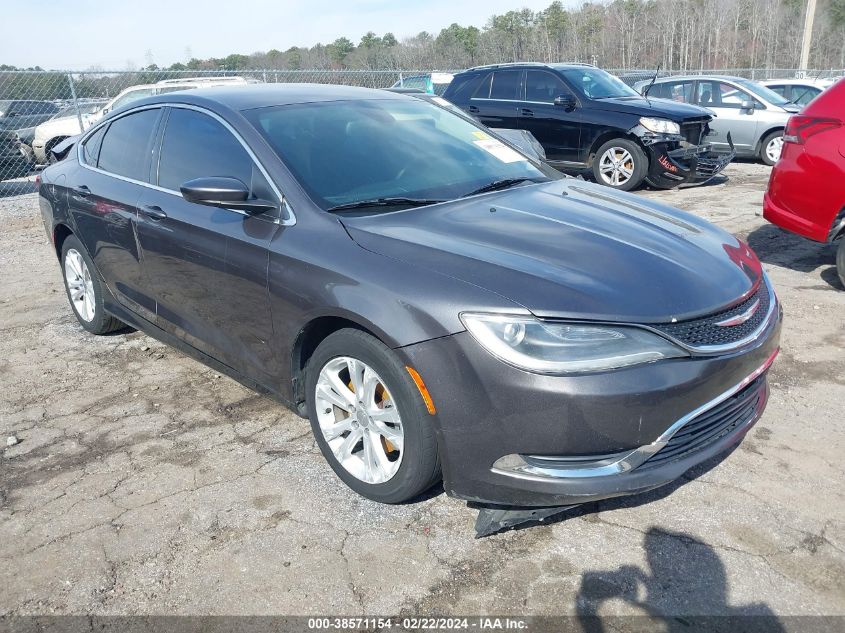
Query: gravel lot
[144,482]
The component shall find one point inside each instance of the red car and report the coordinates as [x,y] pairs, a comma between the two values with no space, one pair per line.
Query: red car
[807,188]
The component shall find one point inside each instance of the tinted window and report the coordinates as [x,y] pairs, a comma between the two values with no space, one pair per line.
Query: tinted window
[543,86]
[594,83]
[483,90]
[349,151]
[780,90]
[196,145]
[505,84]
[91,147]
[129,97]
[128,143]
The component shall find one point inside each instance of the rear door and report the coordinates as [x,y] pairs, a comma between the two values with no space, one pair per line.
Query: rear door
[558,130]
[102,199]
[207,266]
[496,100]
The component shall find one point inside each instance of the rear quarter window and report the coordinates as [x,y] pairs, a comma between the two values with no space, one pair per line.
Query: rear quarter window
[127,145]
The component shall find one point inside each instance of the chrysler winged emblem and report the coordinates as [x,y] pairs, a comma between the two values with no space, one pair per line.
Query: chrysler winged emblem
[741,318]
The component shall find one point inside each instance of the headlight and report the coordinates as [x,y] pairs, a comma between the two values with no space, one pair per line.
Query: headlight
[661,126]
[564,348]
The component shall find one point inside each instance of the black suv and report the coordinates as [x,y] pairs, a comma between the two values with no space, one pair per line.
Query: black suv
[585,118]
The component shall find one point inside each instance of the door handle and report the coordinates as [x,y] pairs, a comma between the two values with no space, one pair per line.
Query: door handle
[473,109]
[526,112]
[153,211]
[82,190]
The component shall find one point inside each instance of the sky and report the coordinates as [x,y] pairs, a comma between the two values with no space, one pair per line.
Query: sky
[112,34]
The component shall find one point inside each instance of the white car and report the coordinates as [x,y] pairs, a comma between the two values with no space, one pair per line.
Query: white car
[54,131]
[798,91]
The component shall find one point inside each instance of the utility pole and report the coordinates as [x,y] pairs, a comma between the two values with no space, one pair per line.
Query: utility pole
[808,35]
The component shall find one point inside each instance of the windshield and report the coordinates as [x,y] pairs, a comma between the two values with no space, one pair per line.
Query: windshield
[344,152]
[761,91]
[594,83]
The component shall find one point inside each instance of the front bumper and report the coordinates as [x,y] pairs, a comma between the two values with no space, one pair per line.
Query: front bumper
[512,438]
[691,164]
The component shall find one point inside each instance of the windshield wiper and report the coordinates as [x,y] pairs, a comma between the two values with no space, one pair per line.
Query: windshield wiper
[384,202]
[496,185]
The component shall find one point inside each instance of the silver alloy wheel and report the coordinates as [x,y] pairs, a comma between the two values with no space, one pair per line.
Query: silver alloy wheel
[616,166]
[774,148]
[359,420]
[80,286]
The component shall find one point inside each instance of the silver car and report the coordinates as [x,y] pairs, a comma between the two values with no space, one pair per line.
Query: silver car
[754,115]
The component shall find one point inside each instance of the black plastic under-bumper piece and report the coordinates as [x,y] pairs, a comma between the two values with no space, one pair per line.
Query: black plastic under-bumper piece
[493,520]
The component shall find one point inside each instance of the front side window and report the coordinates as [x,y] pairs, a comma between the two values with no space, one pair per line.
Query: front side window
[505,85]
[344,152]
[127,145]
[196,145]
[543,86]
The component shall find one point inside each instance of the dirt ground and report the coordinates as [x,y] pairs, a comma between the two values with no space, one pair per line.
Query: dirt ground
[145,483]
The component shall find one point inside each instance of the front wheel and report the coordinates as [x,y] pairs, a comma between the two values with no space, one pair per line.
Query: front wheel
[771,147]
[369,418]
[621,164]
[840,260]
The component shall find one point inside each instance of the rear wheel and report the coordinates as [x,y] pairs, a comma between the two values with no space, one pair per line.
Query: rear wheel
[840,260]
[369,420]
[620,164]
[771,146]
[85,290]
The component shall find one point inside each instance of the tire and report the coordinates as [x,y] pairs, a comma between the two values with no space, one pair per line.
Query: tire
[632,157]
[840,260]
[401,474]
[82,281]
[765,150]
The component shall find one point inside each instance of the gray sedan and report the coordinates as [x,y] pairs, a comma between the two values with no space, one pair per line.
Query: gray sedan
[754,115]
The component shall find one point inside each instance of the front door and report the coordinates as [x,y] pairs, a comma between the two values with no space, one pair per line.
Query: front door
[207,266]
[725,100]
[556,128]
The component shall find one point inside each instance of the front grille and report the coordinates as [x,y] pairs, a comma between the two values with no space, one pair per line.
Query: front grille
[704,332]
[714,424]
[693,132]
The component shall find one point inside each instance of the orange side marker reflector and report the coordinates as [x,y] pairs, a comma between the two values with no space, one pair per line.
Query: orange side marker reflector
[429,403]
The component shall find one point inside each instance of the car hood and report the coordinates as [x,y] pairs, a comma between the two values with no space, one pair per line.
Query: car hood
[653,107]
[572,249]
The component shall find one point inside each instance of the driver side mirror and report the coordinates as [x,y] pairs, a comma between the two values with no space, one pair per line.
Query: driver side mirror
[226,193]
[567,102]
[747,105]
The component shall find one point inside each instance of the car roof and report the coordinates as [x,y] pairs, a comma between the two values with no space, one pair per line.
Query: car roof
[704,77]
[251,96]
[798,82]
[506,65]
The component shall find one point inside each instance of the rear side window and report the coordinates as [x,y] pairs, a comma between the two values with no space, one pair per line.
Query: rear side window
[91,147]
[681,91]
[196,145]
[127,145]
[505,84]
[483,90]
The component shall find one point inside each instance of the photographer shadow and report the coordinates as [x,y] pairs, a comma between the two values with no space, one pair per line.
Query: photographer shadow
[682,575]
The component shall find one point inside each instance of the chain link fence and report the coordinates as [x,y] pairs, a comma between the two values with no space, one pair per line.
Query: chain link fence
[39,109]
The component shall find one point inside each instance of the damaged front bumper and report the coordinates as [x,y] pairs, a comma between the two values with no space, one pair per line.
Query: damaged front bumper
[673,161]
